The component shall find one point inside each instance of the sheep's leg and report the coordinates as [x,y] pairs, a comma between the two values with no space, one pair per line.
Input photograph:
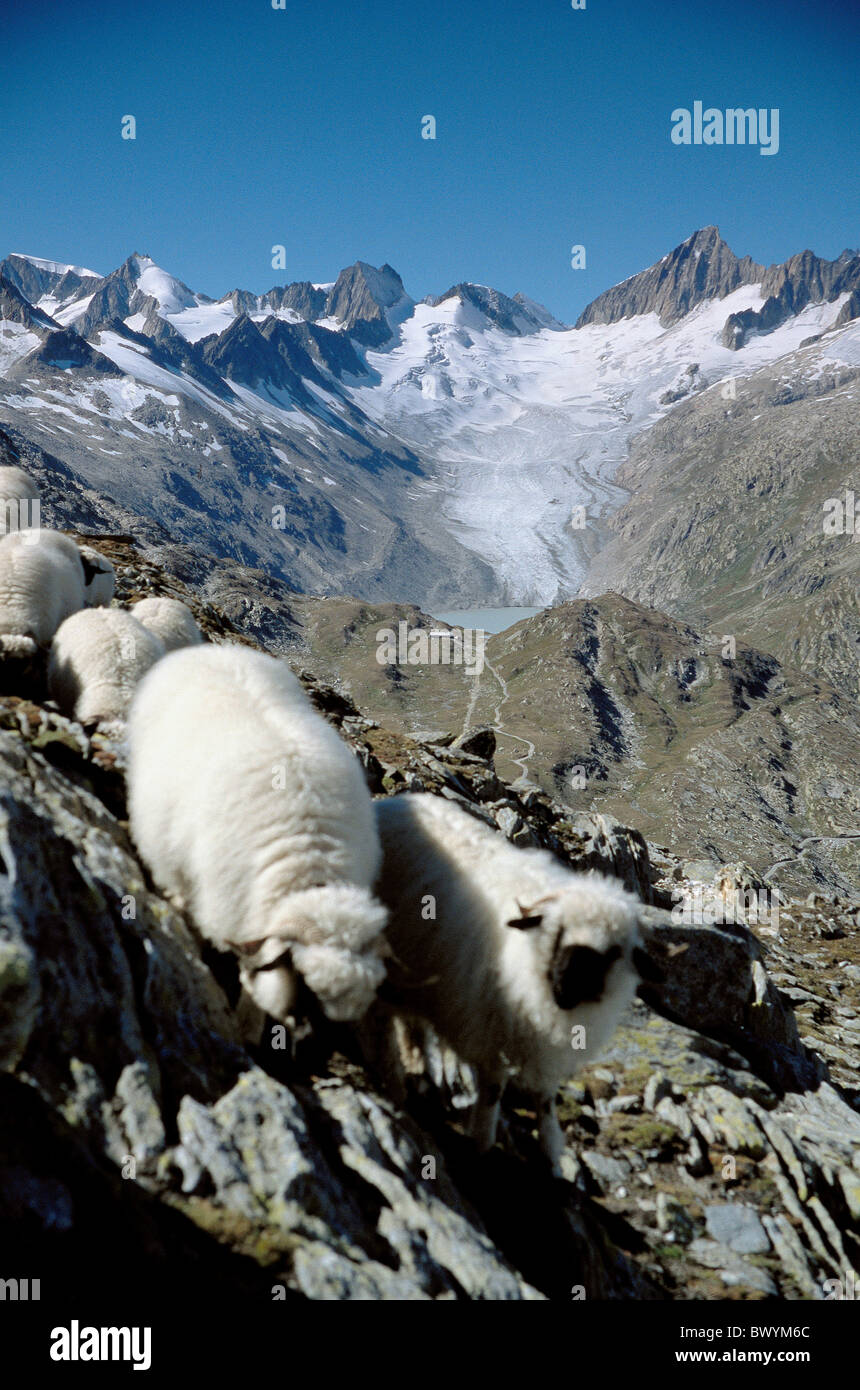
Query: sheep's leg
[550,1132]
[380,1041]
[552,1142]
[485,1114]
[250,1019]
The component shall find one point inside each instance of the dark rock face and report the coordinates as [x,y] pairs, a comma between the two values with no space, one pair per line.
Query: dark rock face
[360,298]
[789,288]
[35,281]
[333,351]
[480,742]
[243,354]
[513,316]
[65,348]
[702,267]
[302,297]
[17,309]
[279,354]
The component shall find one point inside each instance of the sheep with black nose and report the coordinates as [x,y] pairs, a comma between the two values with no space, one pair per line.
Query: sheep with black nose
[522,966]
[42,582]
[97,658]
[99,577]
[252,812]
[170,619]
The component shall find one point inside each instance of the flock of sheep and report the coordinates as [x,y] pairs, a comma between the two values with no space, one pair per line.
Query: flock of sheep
[254,816]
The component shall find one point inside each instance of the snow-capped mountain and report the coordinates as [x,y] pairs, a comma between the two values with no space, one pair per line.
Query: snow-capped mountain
[457,450]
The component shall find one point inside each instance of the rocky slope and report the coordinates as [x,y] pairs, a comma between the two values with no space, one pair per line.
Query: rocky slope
[714,1151]
[614,707]
[725,525]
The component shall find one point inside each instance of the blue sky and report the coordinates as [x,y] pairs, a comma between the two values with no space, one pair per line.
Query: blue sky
[302,127]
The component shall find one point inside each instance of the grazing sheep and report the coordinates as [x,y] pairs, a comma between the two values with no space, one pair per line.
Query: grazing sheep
[97,658]
[252,812]
[521,965]
[100,577]
[42,582]
[19,500]
[170,620]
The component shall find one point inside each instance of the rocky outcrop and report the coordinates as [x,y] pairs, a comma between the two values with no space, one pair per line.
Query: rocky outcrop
[516,316]
[361,299]
[14,308]
[305,299]
[702,267]
[787,290]
[850,310]
[35,281]
[61,350]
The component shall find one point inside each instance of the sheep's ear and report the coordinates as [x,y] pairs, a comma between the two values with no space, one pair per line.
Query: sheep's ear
[90,570]
[246,948]
[526,922]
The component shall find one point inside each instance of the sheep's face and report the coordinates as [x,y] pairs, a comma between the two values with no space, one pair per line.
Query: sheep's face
[273,990]
[266,973]
[334,933]
[99,577]
[586,942]
[578,973]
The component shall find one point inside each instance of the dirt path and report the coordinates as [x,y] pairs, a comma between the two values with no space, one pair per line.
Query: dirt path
[811,840]
[501,732]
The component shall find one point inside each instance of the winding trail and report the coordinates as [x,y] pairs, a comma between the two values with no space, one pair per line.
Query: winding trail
[811,840]
[522,761]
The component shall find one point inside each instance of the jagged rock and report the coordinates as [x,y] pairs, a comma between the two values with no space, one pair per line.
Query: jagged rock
[730,1120]
[480,742]
[738,1227]
[714,980]
[93,955]
[597,841]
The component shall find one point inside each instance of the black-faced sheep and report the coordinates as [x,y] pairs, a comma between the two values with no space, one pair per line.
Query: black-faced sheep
[99,577]
[522,966]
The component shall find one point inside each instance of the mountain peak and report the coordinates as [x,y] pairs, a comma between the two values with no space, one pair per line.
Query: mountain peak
[702,267]
[37,278]
[517,316]
[362,298]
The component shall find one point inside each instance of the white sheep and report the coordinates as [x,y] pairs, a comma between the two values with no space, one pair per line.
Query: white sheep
[169,619]
[97,658]
[100,577]
[42,582]
[522,966]
[19,500]
[255,816]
